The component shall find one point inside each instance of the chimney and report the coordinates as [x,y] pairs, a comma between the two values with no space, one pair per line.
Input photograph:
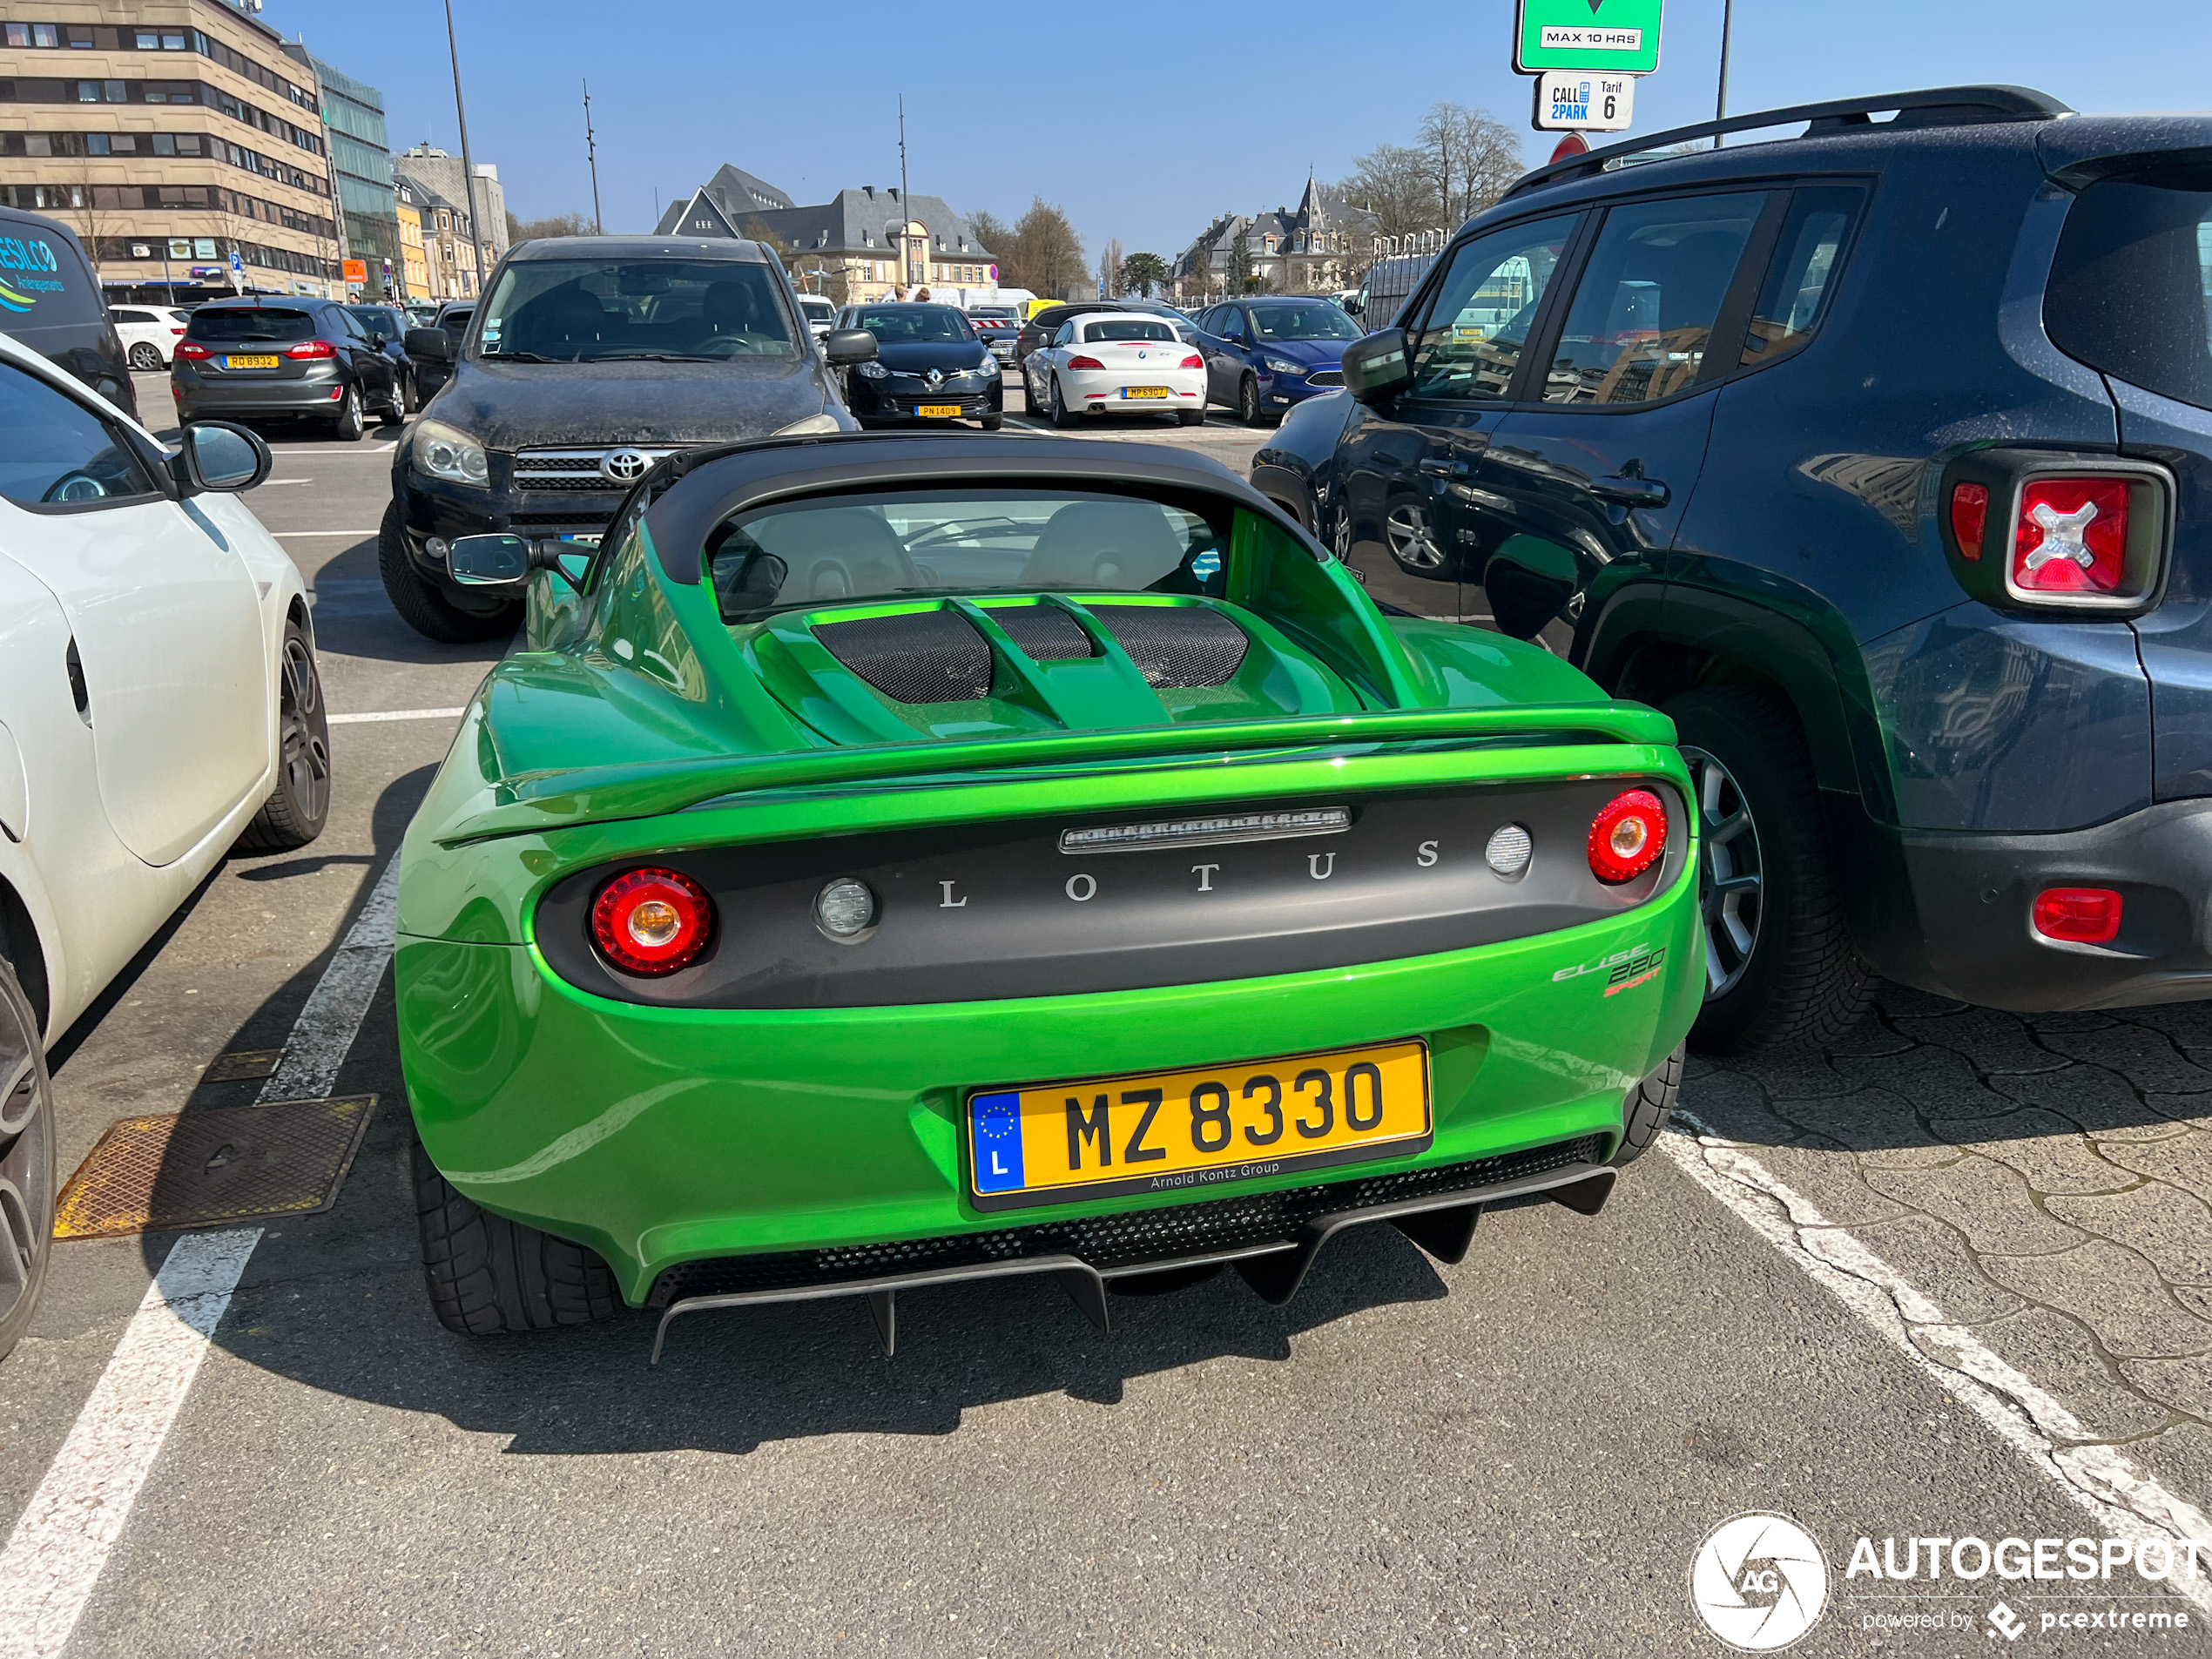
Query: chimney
[870,189]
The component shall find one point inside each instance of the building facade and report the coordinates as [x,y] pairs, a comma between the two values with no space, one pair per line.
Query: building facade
[174,136]
[435,170]
[448,251]
[1318,247]
[414,268]
[360,168]
[862,244]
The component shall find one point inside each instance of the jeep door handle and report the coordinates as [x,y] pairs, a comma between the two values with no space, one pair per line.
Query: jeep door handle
[1632,492]
[1436,469]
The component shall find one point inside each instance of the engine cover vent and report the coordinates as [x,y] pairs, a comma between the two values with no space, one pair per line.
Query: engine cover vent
[1176,645]
[1045,633]
[919,656]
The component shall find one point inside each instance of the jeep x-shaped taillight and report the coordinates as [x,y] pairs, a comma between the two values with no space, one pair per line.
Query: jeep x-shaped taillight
[2051,530]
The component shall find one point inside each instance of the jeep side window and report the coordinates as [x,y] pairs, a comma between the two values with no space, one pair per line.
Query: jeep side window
[1644,311]
[1802,278]
[1471,339]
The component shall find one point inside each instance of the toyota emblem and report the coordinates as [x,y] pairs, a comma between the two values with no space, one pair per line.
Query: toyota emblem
[934,378]
[622,466]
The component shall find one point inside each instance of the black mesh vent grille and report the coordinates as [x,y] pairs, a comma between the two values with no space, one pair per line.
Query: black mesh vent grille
[1110,1242]
[1045,633]
[1176,645]
[920,656]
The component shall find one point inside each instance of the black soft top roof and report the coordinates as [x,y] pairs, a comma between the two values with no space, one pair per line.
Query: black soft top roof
[710,485]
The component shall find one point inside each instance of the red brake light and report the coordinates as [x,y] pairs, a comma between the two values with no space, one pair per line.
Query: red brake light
[313,349]
[652,922]
[2079,915]
[1627,837]
[2071,536]
[191,351]
[1969,514]
[1193,361]
[175,330]
[1084,363]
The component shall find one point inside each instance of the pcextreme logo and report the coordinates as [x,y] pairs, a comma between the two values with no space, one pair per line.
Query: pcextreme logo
[1758,1582]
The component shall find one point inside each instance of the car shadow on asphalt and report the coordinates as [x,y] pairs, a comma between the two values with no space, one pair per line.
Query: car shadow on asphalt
[353,616]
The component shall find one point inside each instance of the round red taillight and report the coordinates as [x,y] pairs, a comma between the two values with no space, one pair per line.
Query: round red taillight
[1627,837]
[652,922]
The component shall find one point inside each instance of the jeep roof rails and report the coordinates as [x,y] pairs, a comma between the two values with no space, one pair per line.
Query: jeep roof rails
[1937,106]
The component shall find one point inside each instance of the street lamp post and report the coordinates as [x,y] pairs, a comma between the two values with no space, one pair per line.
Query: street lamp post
[467,165]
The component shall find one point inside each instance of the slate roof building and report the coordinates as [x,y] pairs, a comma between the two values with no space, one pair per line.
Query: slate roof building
[871,240]
[1317,247]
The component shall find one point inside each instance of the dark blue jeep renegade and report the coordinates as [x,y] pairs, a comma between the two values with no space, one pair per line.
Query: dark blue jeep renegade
[1879,456]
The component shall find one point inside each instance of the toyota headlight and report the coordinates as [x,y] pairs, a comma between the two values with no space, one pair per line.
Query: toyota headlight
[1282,365]
[442,452]
[812,426]
[875,371]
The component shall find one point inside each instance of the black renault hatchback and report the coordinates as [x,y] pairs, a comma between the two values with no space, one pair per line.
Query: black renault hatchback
[588,358]
[1880,456]
[930,366]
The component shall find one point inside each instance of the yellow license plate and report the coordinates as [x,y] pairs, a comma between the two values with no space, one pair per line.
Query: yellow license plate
[1144,391]
[939,411]
[250,363]
[1170,1132]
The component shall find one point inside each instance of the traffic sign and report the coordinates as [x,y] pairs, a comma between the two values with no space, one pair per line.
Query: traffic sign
[1614,36]
[1580,100]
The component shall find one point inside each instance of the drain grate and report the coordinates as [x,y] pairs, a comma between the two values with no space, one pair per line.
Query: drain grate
[207,1168]
[242,1065]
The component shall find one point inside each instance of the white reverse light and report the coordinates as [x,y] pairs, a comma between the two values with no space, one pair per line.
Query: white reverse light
[1508,851]
[844,908]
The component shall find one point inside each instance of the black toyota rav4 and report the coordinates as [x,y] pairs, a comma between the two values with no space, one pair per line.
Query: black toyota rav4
[589,359]
[1880,456]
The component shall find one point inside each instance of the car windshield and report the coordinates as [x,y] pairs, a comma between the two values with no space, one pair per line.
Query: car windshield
[1127,328]
[581,311]
[254,323]
[891,546]
[1303,322]
[377,318]
[921,325]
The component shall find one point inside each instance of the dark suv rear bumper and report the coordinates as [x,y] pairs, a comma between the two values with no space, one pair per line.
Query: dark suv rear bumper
[1967,934]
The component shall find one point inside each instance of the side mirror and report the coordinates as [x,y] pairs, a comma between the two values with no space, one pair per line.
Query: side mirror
[845,346]
[1378,367]
[489,561]
[433,345]
[219,457]
[376,339]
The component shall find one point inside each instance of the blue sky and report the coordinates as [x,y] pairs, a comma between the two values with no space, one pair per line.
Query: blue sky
[1141,121]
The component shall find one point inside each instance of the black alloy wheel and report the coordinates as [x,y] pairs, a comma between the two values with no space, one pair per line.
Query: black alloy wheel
[27,1175]
[299,804]
[146,357]
[347,427]
[1730,887]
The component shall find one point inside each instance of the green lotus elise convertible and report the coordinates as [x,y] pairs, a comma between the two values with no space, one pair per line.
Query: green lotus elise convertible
[902,860]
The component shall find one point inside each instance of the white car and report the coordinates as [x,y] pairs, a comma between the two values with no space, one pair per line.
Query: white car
[1116,362]
[820,314]
[150,333]
[159,703]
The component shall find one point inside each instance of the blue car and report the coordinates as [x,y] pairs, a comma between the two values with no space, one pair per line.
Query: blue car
[1263,355]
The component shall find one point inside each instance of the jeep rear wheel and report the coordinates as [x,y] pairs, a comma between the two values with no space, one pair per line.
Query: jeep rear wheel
[1780,969]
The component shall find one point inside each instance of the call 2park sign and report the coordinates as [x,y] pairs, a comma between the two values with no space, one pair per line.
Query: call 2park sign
[1611,36]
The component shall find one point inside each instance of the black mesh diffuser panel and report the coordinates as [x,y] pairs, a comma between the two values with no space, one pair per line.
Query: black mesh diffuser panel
[1176,646]
[1045,633]
[921,656]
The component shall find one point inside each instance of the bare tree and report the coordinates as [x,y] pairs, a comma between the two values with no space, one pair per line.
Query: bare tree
[525,230]
[1046,255]
[1461,161]
[991,232]
[1109,268]
[1393,184]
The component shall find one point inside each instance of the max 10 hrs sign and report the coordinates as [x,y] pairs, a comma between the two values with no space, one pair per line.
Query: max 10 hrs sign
[1581,101]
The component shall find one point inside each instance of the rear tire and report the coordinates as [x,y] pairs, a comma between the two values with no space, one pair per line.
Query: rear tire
[1190,417]
[347,426]
[1648,1106]
[299,804]
[27,1178]
[486,1274]
[146,357]
[1062,416]
[1788,977]
[421,607]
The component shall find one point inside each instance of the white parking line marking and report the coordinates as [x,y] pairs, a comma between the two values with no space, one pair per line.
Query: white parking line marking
[398,714]
[2122,1499]
[64,1538]
[62,1541]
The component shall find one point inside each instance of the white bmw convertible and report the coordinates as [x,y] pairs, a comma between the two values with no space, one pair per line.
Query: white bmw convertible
[158,703]
[1116,362]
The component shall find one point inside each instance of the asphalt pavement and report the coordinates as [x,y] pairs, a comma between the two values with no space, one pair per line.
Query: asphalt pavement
[1937,1283]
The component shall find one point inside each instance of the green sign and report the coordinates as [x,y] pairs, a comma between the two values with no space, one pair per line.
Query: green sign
[1616,37]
